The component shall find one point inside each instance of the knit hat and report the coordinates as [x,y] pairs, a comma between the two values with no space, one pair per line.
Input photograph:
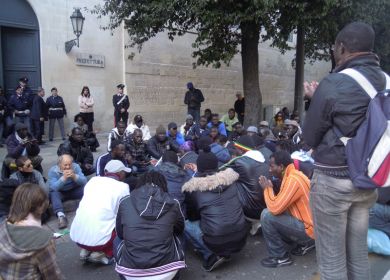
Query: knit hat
[264,123]
[172,125]
[252,129]
[20,126]
[160,130]
[257,140]
[204,143]
[190,85]
[170,156]
[207,161]
[245,143]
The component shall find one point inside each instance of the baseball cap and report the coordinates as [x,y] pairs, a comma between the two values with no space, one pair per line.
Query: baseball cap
[172,125]
[116,166]
[252,129]
[264,123]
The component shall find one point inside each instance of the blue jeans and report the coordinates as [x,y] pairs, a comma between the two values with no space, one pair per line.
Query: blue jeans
[194,235]
[380,218]
[195,113]
[340,216]
[57,197]
[280,228]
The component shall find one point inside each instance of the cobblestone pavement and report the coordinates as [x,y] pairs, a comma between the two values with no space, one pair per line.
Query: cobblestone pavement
[245,265]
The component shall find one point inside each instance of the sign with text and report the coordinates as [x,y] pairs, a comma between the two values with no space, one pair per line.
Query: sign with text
[91,60]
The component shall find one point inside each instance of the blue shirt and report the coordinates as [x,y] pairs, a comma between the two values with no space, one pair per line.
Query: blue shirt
[56,182]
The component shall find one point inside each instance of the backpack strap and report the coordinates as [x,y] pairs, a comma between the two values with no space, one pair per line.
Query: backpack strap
[362,81]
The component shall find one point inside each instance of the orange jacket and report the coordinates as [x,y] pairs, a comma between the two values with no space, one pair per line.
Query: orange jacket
[292,197]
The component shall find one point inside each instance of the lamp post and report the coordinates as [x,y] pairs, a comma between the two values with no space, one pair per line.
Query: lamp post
[77,24]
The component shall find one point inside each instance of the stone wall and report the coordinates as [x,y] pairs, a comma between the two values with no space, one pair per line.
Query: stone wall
[156,78]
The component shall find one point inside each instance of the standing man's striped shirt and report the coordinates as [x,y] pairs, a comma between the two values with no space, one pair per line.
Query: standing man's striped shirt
[292,197]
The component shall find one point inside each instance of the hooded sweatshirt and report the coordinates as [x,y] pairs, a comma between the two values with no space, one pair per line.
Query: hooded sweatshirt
[148,221]
[27,252]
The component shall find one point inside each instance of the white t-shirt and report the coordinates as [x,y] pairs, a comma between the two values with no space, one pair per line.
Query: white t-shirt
[96,215]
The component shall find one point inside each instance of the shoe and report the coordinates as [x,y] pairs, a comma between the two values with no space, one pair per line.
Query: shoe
[276,262]
[99,257]
[62,222]
[303,250]
[84,254]
[213,262]
[256,227]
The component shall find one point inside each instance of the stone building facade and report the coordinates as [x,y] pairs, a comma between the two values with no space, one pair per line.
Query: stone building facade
[155,79]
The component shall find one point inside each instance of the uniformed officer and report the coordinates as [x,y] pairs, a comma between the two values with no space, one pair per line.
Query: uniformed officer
[121,104]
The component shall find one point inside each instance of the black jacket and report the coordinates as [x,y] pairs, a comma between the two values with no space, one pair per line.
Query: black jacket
[79,151]
[125,104]
[250,167]
[38,109]
[194,98]
[239,106]
[156,148]
[147,222]
[214,200]
[15,148]
[339,101]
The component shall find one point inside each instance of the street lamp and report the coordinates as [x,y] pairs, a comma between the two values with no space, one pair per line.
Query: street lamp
[77,24]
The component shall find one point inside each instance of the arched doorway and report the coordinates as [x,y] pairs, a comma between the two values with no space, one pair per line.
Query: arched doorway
[19,45]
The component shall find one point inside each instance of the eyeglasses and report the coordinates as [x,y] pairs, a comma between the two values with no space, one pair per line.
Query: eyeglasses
[28,165]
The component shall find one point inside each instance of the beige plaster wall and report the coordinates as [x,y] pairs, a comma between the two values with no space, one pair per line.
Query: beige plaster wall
[60,70]
[156,79]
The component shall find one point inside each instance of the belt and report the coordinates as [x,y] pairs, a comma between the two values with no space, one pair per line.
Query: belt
[55,109]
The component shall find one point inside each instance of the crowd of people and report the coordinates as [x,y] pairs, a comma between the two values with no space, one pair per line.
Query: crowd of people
[206,184]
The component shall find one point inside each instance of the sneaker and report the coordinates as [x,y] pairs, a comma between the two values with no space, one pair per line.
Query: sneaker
[99,257]
[303,250]
[84,254]
[276,262]
[213,263]
[62,222]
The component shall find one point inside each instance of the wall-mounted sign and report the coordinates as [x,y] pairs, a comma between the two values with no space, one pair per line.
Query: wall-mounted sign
[92,60]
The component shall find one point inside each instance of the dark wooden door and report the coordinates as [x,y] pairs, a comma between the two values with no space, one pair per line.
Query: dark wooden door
[20,57]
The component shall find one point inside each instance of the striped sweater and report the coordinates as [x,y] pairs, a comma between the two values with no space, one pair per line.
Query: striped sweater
[292,197]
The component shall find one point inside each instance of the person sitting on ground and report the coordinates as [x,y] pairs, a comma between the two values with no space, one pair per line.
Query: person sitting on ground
[260,146]
[187,128]
[214,134]
[138,151]
[208,114]
[118,152]
[27,174]
[89,136]
[238,131]
[174,135]
[229,119]
[21,143]
[7,189]
[157,219]
[288,215]
[66,181]
[263,124]
[250,165]
[138,123]
[159,143]
[93,227]
[293,130]
[216,225]
[380,212]
[269,138]
[252,130]
[215,122]
[78,149]
[118,133]
[175,176]
[216,148]
[27,250]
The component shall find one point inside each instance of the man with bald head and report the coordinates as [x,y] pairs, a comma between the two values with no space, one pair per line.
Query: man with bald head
[340,210]
[66,181]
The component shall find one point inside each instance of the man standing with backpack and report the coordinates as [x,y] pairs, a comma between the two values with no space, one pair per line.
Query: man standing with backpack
[338,107]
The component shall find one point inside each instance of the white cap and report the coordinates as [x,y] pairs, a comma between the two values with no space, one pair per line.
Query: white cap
[252,129]
[116,166]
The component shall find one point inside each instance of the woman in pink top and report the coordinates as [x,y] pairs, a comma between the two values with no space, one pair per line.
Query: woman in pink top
[86,103]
